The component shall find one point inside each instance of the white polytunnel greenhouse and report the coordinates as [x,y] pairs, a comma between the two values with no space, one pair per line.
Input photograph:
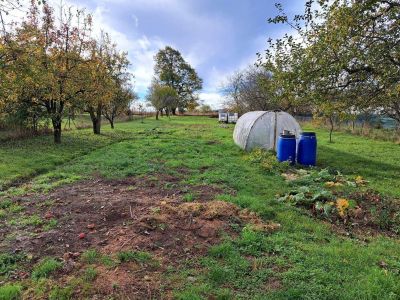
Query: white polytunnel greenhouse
[261,129]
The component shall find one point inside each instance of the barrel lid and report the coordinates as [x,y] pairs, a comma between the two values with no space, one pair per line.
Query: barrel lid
[308,133]
[288,136]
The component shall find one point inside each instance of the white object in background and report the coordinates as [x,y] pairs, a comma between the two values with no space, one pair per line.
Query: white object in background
[261,129]
[222,117]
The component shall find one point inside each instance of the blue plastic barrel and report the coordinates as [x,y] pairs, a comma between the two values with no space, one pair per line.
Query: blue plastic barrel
[286,148]
[307,149]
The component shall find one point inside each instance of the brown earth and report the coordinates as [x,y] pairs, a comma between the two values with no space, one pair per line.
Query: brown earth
[119,215]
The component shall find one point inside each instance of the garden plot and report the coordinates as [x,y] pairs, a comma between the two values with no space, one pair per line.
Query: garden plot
[122,235]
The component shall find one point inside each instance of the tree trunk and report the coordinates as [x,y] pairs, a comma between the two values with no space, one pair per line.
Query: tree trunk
[57,129]
[173,110]
[112,123]
[157,115]
[96,125]
[331,129]
[96,118]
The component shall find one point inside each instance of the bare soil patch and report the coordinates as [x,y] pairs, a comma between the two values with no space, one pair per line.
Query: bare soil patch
[134,214]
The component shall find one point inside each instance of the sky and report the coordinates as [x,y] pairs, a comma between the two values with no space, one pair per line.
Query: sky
[217,37]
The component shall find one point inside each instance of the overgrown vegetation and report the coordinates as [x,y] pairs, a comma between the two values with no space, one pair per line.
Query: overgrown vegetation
[343,200]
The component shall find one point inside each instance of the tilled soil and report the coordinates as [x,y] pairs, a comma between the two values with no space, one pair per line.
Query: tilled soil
[121,215]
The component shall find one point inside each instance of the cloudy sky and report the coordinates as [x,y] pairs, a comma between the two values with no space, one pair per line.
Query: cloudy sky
[216,37]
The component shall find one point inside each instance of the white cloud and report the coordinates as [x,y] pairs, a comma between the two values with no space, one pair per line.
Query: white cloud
[215,100]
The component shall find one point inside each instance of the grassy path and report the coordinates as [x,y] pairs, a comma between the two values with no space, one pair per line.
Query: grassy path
[306,259]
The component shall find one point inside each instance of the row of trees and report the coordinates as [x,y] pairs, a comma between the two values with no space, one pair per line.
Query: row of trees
[52,67]
[175,85]
[343,60]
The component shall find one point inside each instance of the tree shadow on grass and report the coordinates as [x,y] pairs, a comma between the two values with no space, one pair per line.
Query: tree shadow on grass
[350,163]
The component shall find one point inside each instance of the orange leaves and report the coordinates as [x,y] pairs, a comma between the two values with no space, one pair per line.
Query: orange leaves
[342,205]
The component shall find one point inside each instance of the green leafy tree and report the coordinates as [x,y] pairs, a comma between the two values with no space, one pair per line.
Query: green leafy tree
[172,70]
[344,57]
[162,97]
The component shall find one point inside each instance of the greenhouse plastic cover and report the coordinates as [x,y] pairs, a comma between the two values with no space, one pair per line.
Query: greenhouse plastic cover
[261,129]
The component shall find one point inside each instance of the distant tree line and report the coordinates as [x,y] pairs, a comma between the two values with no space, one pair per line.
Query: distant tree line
[343,60]
[52,68]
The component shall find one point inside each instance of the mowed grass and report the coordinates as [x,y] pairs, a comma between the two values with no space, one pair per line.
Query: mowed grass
[24,158]
[305,259]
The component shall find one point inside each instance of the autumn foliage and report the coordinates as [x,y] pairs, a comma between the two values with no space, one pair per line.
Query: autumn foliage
[52,67]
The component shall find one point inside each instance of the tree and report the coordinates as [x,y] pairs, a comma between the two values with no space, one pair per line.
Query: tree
[51,59]
[97,81]
[251,89]
[345,57]
[119,103]
[172,70]
[123,94]
[162,97]
[205,108]
[49,68]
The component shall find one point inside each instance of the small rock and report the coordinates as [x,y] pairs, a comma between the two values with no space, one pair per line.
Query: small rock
[66,256]
[383,264]
[82,235]
[207,231]
[191,279]
[49,215]
[103,242]
[147,278]
[91,226]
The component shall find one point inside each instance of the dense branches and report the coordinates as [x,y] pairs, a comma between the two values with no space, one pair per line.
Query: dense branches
[52,65]
[344,57]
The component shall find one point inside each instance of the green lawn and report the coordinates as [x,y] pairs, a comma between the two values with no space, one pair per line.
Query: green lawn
[306,257]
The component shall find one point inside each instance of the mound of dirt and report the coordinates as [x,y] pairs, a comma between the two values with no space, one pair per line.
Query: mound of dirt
[128,215]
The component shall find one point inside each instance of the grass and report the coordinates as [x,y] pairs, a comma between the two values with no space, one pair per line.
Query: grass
[305,259]
[90,274]
[137,256]
[91,256]
[378,161]
[10,292]
[22,159]
[45,268]
[8,262]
